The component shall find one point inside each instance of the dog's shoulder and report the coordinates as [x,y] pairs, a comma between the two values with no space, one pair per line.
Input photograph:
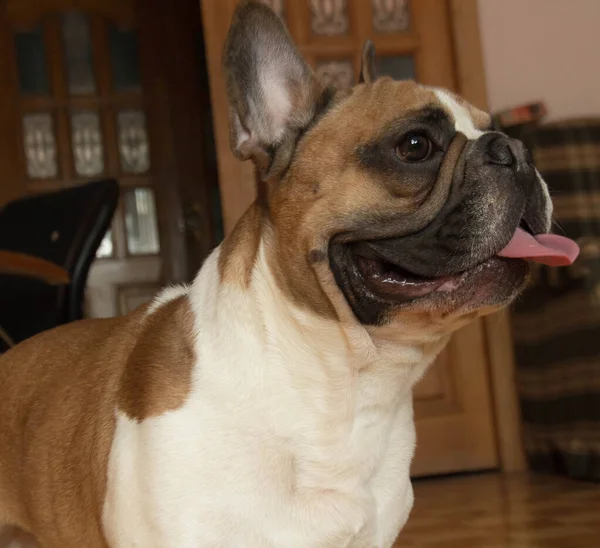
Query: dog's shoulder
[145,354]
[63,390]
[70,351]
[158,370]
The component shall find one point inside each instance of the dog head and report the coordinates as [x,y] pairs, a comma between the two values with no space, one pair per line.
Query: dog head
[388,201]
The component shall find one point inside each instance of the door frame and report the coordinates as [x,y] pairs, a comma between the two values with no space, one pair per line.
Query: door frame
[470,75]
[500,347]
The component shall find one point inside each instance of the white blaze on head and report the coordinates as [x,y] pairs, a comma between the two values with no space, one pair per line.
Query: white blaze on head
[463,122]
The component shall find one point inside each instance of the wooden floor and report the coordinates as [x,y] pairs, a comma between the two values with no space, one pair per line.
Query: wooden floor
[491,511]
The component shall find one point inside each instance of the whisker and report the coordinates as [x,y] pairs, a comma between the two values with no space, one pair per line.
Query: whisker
[558,226]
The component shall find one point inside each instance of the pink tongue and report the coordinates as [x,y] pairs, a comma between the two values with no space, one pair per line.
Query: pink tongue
[548,249]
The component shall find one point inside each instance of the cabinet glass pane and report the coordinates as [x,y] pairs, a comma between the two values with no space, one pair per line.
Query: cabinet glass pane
[134,150]
[86,140]
[31,62]
[106,246]
[390,15]
[329,17]
[78,53]
[339,74]
[124,59]
[401,67]
[140,222]
[39,143]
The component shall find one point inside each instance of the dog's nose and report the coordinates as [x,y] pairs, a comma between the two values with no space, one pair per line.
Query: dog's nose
[501,150]
[504,151]
[498,151]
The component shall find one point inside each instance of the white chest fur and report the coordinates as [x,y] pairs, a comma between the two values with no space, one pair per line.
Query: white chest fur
[287,438]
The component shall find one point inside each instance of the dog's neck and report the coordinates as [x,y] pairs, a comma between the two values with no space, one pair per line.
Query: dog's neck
[333,391]
[317,349]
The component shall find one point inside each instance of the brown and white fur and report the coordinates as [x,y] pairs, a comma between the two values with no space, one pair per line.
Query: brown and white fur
[269,403]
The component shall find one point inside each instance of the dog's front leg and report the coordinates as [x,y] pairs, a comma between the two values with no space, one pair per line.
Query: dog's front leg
[391,486]
[365,538]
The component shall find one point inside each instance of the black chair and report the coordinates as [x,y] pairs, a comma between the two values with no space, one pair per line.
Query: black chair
[65,227]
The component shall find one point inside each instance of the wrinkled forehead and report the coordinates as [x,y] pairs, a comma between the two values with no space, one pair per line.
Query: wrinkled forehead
[386,101]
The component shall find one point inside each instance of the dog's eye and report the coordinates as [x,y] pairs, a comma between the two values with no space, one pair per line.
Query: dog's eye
[414,148]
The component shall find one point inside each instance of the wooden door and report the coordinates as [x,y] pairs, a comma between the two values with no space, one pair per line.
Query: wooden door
[91,88]
[413,39]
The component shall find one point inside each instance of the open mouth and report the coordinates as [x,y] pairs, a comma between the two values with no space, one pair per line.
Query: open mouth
[396,283]
[372,276]
[372,284]
[361,263]
[366,275]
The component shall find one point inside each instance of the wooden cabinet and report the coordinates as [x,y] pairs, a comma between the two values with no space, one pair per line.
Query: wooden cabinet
[95,89]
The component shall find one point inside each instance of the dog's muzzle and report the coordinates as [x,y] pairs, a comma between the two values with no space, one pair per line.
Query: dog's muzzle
[486,214]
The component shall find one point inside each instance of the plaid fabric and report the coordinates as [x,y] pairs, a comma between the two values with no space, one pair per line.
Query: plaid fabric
[556,324]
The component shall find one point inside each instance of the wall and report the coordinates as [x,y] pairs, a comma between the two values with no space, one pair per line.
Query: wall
[542,49]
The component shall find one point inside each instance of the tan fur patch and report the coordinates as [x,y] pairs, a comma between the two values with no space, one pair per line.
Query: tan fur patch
[57,416]
[238,251]
[158,372]
[58,396]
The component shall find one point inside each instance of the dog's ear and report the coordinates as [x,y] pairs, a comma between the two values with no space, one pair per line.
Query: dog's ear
[273,94]
[368,69]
